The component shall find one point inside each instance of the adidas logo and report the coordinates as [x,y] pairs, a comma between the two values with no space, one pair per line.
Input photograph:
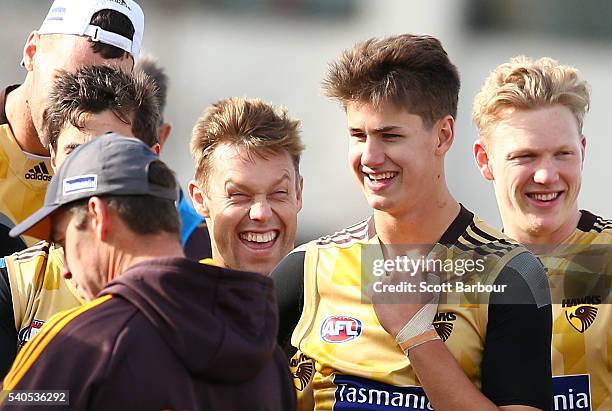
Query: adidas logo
[39,172]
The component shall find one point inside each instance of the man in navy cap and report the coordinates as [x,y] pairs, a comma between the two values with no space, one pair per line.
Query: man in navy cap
[160,331]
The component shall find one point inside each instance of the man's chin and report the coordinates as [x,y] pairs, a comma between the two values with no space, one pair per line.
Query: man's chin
[261,267]
[379,203]
[540,225]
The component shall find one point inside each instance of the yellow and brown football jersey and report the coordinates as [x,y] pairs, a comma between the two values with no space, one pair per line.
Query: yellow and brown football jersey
[579,272]
[37,287]
[346,360]
[24,177]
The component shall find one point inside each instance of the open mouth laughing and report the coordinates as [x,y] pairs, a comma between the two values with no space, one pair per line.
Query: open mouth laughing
[544,199]
[379,180]
[258,240]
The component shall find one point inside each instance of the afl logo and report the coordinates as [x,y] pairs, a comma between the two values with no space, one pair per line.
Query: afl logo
[339,329]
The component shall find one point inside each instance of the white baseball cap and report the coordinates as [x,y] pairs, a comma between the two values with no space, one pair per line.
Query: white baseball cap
[74,17]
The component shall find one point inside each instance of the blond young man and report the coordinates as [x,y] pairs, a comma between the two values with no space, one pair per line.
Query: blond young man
[74,33]
[247,183]
[359,348]
[83,105]
[530,115]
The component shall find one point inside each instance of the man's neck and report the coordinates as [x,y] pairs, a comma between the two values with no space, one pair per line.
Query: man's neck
[20,121]
[141,249]
[422,225]
[544,238]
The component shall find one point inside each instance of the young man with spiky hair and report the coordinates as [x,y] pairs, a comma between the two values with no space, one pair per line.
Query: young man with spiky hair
[247,183]
[74,33]
[82,105]
[360,346]
[530,115]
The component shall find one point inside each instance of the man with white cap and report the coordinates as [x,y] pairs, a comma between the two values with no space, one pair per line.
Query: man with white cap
[161,331]
[74,33]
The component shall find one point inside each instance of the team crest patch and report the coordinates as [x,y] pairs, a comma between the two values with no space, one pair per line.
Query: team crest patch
[443,324]
[302,369]
[27,333]
[80,184]
[581,316]
[340,329]
[572,392]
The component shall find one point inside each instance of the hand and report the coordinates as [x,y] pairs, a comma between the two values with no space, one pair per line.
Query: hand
[399,296]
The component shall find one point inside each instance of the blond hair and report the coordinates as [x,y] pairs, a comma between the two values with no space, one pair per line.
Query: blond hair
[253,125]
[525,84]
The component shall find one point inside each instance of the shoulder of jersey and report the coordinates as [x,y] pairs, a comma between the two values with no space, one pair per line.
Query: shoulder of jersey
[346,237]
[482,237]
[602,226]
[40,249]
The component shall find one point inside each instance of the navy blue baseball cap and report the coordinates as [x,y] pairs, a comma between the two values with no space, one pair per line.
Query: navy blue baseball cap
[107,165]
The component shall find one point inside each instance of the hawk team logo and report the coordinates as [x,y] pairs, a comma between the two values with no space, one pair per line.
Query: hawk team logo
[39,172]
[339,329]
[581,316]
[443,324]
[27,333]
[302,370]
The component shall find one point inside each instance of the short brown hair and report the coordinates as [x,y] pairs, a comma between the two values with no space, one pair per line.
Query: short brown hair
[150,66]
[94,89]
[412,72]
[526,84]
[257,126]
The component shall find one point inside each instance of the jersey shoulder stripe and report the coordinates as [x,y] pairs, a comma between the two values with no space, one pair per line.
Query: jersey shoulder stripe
[592,223]
[483,240]
[347,237]
[480,242]
[602,225]
[32,351]
[38,249]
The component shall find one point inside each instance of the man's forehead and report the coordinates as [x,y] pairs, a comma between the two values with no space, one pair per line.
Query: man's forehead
[385,115]
[517,132]
[239,167]
[241,179]
[241,156]
[73,52]
[95,124]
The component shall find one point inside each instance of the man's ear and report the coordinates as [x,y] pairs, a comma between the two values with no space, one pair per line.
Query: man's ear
[198,199]
[29,50]
[53,158]
[583,143]
[446,134]
[163,132]
[99,214]
[300,189]
[156,148]
[482,160]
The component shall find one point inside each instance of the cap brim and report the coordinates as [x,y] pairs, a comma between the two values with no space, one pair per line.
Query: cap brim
[37,225]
